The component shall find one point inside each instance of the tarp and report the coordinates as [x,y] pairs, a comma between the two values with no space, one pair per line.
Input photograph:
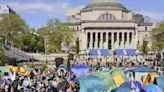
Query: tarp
[134,85]
[106,78]
[80,70]
[91,83]
[150,78]
[118,76]
[160,82]
[121,89]
[142,69]
[152,88]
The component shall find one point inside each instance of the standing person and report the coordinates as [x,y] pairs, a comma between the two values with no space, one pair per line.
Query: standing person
[53,85]
[65,84]
[15,85]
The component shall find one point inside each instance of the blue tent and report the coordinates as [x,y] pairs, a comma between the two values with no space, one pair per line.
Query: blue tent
[135,85]
[104,52]
[93,52]
[80,70]
[159,81]
[130,51]
[142,69]
[91,83]
[152,88]
[119,52]
[121,89]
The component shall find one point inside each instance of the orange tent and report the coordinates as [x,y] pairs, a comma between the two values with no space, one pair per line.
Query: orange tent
[150,78]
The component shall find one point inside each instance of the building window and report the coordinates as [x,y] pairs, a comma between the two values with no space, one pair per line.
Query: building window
[106,17]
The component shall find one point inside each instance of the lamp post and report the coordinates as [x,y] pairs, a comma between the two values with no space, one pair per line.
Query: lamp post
[46,43]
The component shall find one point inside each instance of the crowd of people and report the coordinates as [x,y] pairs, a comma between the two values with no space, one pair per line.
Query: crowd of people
[38,81]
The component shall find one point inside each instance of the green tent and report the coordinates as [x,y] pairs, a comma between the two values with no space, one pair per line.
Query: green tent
[106,78]
[118,76]
[4,69]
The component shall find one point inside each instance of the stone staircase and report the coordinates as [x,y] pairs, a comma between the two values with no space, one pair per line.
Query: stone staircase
[18,54]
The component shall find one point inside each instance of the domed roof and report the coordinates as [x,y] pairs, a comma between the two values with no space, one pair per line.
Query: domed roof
[104,4]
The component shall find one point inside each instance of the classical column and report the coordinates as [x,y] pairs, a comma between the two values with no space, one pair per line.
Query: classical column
[118,39]
[123,40]
[136,38]
[91,40]
[127,42]
[107,40]
[101,40]
[112,39]
[87,39]
[96,41]
[132,40]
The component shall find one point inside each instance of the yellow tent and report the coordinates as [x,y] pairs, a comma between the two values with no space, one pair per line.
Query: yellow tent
[13,68]
[150,78]
[21,70]
[118,79]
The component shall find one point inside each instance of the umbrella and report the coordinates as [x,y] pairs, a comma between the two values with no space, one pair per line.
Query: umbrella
[121,89]
[137,86]
[152,88]
[91,83]
[80,70]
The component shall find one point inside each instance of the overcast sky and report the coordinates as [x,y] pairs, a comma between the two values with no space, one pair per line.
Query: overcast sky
[37,12]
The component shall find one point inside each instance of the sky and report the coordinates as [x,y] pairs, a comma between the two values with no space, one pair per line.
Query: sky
[36,13]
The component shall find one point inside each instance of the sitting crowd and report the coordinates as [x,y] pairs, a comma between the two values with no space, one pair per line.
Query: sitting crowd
[49,82]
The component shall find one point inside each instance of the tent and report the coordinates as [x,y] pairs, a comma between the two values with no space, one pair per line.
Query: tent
[4,69]
[80,70]
[121,89]
[60,68]
[143,69]
[150,78]
[159,81]
[140,73]
[104,69]
[118,76]
[91,83]
[152,88]
[13,68]
[135,85]
[106,78]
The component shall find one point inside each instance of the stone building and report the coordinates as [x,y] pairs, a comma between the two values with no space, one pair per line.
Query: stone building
[5,9]
[107,24]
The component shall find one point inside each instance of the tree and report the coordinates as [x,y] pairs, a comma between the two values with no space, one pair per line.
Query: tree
[30,42]
[17,32]
[2,57]
[58,34]
[11,25]
[157,37]
[144,48]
